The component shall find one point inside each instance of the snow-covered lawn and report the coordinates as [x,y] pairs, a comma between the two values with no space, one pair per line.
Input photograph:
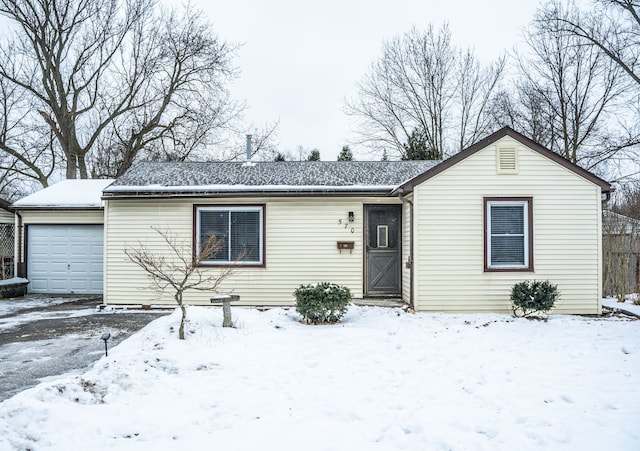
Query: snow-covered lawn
[380,380]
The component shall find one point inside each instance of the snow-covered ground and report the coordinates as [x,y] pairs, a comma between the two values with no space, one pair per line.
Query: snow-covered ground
[12,321]
[380,380]
[8,306]
[627,305]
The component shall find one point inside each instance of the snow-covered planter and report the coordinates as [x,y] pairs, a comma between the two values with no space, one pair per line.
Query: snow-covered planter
[322,302]
[13,288]
[533,296]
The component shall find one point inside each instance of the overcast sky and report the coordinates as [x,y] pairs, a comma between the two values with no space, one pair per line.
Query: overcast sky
[299,60]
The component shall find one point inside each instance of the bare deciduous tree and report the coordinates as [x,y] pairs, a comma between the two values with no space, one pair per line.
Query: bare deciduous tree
[611,26]
[477,87]
[626,200]
[26,147]
[523,108]
[113,81]
[568,97]
[177,268]
[423,84]
[607,39]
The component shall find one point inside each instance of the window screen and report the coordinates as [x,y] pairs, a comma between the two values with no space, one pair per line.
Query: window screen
[239,230]
[508,235]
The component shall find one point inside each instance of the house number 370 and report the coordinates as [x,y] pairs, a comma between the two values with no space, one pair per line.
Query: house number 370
[346,225]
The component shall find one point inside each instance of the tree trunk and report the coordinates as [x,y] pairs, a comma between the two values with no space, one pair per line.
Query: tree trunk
[71,166]
[183,320]
[82,165]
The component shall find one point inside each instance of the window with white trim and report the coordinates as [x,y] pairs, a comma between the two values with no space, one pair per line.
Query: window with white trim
[240,229]
[508,240]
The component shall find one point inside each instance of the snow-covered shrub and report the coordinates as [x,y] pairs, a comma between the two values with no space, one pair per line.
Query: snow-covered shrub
[322,302]
[533,296]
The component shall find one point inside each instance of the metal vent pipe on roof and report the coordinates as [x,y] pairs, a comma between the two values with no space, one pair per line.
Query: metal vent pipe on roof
[249,138]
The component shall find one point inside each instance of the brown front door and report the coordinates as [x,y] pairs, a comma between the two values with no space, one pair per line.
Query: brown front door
[383,250]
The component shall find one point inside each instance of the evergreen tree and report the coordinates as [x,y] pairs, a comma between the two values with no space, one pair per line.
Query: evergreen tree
[280,157]
[417,148]
[345,154]
[314,155]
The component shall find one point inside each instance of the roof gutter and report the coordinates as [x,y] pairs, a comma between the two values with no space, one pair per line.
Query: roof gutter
[17,208]
[236,194]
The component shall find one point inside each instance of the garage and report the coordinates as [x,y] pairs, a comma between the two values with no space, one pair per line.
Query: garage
[65,258]
[60,238]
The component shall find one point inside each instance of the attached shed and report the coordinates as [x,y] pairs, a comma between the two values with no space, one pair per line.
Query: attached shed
[61,238]
[443,236]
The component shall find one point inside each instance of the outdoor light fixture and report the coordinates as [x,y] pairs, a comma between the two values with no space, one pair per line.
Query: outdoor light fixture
[352,216]
[105,336]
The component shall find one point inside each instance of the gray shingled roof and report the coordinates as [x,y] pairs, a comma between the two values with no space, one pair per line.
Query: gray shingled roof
[263,177]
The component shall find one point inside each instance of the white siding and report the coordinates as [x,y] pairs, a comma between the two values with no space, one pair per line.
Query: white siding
[449,234]
[301,247]
[406,249]
[80,216]
[6,217]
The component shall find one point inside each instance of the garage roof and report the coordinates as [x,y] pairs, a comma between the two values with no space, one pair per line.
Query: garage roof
[67,194]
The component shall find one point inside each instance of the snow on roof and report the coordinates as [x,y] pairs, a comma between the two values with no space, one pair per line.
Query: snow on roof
[68,193]
[241,188]
[261,177]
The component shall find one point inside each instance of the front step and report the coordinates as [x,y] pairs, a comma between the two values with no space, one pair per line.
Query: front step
[379,302]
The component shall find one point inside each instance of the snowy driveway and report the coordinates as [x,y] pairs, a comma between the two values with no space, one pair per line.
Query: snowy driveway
[42,336]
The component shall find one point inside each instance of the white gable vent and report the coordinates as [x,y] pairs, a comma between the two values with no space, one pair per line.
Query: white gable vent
[507,160]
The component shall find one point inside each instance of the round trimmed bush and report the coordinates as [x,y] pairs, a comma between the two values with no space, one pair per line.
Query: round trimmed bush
[322,302]
[533,296]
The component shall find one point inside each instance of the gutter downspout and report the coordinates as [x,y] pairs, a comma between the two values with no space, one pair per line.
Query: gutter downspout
[18,268]
[409,263]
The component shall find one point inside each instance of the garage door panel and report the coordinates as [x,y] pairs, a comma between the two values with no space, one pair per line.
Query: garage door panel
[58,285]
[40,249]
[65,258]
[58,232]
[79,285]
[97,249]
[95,286]
[79,268]
[37,284]
[58,268]
[80,250]
[39,268]
[58,250]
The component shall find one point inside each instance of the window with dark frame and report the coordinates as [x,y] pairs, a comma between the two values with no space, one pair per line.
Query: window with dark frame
[240,229]
[508,234]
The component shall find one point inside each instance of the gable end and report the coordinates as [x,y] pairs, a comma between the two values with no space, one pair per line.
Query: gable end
[492,139]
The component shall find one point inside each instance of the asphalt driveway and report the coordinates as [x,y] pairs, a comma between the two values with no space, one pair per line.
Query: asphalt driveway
[43,336]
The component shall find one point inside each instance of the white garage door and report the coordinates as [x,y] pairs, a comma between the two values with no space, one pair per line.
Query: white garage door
[64,258]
